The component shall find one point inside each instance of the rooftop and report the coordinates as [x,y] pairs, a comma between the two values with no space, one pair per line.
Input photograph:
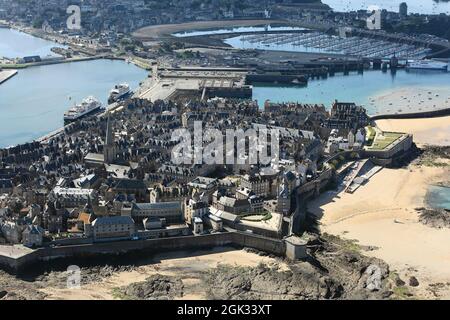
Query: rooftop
[383,140]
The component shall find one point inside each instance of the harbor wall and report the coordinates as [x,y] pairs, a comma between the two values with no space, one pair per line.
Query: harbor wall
[238,239]
[414,115]
[276,78]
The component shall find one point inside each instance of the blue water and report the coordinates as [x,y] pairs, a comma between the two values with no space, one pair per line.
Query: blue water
[439,197]
[358,88]
[16,44]
[414,6]
[233,30]
[33,103]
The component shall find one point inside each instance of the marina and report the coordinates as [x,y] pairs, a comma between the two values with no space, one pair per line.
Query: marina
[318,42]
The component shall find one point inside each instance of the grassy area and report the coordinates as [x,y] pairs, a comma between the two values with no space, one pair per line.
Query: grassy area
[370,135]
[384,140]
[402,293]
[351,245]
[13,66]
[119,295]
[142,63]
[256,217]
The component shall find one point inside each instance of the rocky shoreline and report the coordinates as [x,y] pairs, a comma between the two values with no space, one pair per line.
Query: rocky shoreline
[336,269]
[435,218]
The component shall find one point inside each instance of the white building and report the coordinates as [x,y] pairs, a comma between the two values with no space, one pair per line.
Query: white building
[198,225]
[74,197]
[171,211]
[113,228]
[12,232]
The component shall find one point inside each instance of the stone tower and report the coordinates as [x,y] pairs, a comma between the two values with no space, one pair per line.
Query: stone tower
[284,198]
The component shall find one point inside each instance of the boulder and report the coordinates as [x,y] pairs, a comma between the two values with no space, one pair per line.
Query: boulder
[413,282]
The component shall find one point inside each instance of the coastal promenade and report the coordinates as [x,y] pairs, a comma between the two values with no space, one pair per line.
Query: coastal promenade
[5,75]
[51,62]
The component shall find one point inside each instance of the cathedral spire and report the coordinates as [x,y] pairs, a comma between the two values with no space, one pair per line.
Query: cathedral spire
[109,132]
[109,149]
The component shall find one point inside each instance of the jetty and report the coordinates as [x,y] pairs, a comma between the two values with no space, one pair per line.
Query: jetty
[5,75]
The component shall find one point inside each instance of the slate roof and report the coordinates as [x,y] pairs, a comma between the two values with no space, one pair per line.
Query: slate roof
[113,221]
[158,206]
[6,184]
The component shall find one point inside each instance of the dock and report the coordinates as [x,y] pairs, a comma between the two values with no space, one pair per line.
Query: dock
[5,75]
[202,82]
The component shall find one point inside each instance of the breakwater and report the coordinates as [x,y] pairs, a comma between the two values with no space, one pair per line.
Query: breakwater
[413,115]
[5,75]
[151,246]
[47,62]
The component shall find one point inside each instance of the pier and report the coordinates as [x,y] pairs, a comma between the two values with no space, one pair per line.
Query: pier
[5,75]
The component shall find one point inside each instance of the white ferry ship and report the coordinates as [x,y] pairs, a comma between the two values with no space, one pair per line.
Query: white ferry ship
[427,65]
[88,106]
[119,91]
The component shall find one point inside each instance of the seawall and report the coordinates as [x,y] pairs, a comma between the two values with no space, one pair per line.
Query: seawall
[414,115]
[152,246]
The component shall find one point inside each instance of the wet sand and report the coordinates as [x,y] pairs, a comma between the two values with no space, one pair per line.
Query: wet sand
[180,264]
[155,32]
[411,99]
[432,131]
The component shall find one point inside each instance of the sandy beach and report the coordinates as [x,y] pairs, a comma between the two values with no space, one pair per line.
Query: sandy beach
[411,99]
[432,131]
[382,214]
[183,264]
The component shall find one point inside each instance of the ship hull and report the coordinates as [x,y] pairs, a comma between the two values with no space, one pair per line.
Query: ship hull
[82,116]
[428,66]
[119,97]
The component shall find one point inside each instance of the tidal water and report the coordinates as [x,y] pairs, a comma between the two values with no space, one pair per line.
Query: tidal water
[33,103]
[358,88]
[16,44]
[234,30]
[439,197]
[414,6]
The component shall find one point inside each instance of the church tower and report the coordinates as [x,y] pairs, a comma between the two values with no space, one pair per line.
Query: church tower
[109,149]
